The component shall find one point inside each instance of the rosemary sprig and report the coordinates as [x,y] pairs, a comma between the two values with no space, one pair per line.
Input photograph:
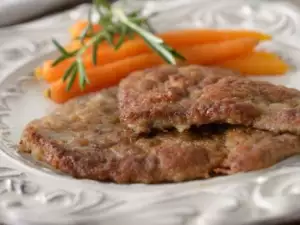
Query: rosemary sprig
[88,31]
[114,21]
[64,54]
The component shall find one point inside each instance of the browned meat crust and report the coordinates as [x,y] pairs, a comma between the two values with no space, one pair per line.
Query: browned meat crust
[250,149]
[195,96]
[160,97]
[85,139]
[258,104]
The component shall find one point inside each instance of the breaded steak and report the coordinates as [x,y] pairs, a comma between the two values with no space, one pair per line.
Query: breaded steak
[85,139]
[180,97]
[161,97]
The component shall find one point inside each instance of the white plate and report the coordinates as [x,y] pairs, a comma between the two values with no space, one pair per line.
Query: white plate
[33,194]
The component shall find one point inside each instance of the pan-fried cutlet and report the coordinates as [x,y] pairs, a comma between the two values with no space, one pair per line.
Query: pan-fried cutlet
[160,97]
[180,97]
[85,139]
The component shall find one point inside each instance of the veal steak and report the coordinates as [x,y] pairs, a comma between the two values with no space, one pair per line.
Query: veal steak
[167,97]
[161,97]
[85,139]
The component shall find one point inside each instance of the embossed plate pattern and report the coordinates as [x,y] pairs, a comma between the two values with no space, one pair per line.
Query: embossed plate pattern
[31,193]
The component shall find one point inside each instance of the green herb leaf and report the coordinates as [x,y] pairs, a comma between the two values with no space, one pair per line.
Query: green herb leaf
[69,71]
[60,48]
[109,38]
[96,43]
[175,53]
[82,74]
[124,32]
[84,34]
[103,3]
[94,53]
[88,31]
[59,60]
[167,56]
[71,82]
[63,57]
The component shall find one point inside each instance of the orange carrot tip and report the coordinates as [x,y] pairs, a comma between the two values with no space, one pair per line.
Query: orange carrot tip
[258,63]
[77,27]
[266,37]
[38,73]
[47,93]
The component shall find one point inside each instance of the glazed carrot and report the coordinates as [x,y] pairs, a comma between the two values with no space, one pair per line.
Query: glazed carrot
[209,54]
[77,28]
[176,39]
[110,74]
[201,36]
[257,63]
[135,47]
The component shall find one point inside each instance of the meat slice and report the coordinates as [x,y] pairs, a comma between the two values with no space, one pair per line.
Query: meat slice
[85,139]
[161,97]
[258,104]
[180,97]
[250,149]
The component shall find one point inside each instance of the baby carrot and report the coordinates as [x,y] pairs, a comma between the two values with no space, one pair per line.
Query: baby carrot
[257,63]
[107,75]
[201,36]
